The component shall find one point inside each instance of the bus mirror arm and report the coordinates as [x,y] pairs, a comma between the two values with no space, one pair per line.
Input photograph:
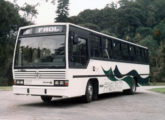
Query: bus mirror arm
[75,39]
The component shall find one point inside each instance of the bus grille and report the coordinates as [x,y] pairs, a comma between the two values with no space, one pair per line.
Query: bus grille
[56,75]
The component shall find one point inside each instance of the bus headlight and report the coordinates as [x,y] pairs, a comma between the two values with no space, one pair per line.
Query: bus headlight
[19,82]
[61,82]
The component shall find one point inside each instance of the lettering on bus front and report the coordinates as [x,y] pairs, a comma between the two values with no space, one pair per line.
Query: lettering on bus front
[48,29]
[43,29]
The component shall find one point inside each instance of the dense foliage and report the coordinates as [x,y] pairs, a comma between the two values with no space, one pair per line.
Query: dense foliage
[138,21]
[10,22]
[62,11]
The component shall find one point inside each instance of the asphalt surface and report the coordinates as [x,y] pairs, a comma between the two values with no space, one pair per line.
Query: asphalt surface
[144,105]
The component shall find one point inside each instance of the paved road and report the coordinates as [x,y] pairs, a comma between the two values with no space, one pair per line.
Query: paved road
[144,105]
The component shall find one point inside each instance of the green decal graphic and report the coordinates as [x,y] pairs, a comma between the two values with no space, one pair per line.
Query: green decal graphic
[116,75]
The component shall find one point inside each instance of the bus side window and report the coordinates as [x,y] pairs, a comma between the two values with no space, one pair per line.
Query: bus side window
[105,48]
[138,55]
[146,56]
[110,50]
[78,54]
[125,51]
[143,55]
[132,53]
[116,50]
[95,46]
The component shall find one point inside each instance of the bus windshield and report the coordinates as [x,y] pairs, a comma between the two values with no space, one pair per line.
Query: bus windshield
[40,52]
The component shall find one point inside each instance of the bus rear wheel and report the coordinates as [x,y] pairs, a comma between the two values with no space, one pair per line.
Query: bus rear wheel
[89,93]
[46,99]
[132,90]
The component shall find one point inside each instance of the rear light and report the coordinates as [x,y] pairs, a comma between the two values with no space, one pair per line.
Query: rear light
[66,83]
[19,82]
[63,83]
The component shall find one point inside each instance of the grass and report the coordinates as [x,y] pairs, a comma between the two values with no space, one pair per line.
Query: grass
[5,88]
[157,84]
[160,90]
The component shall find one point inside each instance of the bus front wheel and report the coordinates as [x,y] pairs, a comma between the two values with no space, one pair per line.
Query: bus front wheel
[46,99]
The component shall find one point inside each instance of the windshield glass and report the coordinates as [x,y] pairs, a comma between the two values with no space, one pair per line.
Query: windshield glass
[41,52]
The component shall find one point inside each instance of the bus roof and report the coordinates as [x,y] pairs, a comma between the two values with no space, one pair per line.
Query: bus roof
[85,29]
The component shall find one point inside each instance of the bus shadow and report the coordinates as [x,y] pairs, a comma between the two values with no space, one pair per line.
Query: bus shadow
[115,95]
[110,96]
[64,103]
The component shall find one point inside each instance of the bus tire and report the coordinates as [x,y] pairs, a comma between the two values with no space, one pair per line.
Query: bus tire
[132,90]
[46,99]
[89,93]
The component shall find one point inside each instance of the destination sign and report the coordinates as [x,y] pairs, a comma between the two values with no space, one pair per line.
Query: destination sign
[49,29]
[43,29]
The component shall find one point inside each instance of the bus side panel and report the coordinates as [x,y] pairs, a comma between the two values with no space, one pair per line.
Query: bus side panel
[106,83]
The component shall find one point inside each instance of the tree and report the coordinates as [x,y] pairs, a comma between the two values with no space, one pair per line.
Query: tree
[62,11]
[76,19]
[153,47]
[130,17]
[142,33]
[91,26]
[10,22]
[29,11]
[159,32]
[107,18]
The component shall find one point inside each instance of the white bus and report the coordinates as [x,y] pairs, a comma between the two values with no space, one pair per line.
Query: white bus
[64,60]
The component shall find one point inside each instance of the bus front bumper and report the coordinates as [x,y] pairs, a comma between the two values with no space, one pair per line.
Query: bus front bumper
[41,91]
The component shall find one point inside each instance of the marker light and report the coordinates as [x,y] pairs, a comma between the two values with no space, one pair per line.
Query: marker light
[19,82]
[59,83]
[56,83]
